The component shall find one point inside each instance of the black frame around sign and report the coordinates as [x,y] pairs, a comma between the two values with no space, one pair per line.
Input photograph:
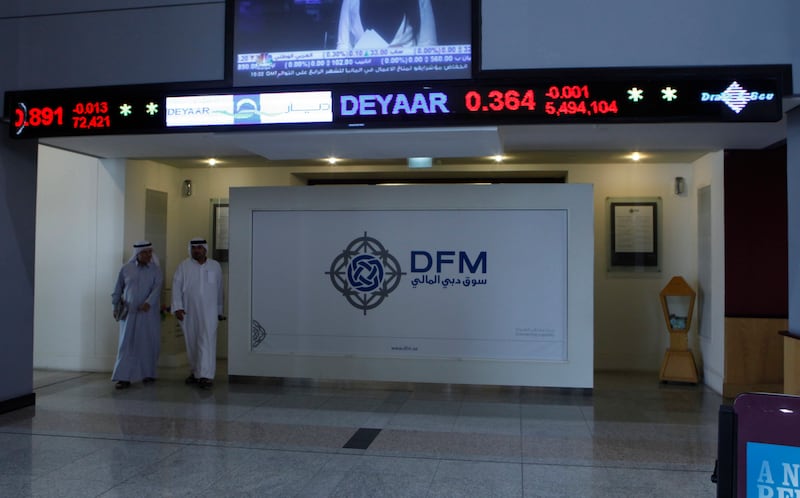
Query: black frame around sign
[622,260]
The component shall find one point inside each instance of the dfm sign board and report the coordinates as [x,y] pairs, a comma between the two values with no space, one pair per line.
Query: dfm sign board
[427,283]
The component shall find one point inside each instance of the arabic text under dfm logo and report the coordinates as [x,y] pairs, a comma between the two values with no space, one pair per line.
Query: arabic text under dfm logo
[365,273]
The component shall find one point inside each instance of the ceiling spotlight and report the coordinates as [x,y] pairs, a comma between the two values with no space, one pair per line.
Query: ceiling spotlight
[498,158]
[212,162]
[420,162]
[332,160]
[635,156]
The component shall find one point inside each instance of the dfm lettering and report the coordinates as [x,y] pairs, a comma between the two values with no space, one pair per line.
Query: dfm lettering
[423,261]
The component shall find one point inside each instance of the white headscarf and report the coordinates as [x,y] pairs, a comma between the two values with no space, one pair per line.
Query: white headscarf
[198,241]
[141,246]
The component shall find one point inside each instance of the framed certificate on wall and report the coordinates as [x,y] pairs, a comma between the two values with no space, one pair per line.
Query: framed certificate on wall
[634,233]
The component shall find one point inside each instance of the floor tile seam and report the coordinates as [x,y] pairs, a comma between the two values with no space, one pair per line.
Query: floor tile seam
[432,479]
[522,475]
[184,417]
[62,381]
[435,474]
[587,421]
[107,485]
[321,470]
[51,472]
[111,438]
[442,458]
[10,430]
[521,439]
[248,412]
[180,445]
[436,432]
[204,421]
[459,413]
[364,453]
[311,480]
[140,472]
[648,468]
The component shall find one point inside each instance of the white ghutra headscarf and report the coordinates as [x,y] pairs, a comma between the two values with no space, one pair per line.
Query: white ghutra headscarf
[141,246]
[198,241]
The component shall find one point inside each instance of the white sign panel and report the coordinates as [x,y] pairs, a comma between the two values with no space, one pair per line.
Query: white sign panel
[472,284]
[250,109]
[200,110]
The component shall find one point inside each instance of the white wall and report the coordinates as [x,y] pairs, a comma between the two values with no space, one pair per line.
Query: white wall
[79,227]
[187,217]
[709,171]
[630,333]
[120,42]
[793,208]
[184,39]
[523,34]
[629,329]
[139,177]
[17,266]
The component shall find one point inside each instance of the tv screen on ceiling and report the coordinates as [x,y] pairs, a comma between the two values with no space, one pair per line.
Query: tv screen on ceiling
[288,42]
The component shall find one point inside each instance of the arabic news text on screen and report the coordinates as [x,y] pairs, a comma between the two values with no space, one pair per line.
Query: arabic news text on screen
[278,42]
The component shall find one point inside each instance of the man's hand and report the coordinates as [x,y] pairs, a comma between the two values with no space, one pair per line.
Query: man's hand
[180,314]
[145,307]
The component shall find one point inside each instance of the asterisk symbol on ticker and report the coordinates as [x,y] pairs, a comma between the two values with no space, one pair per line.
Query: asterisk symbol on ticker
[152,108]
[669,94]
[125,109]
[635,94]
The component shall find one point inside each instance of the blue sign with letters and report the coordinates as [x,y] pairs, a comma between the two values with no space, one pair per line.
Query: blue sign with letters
[773,471]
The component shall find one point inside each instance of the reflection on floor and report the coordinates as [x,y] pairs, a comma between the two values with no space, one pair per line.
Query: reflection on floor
[629,437]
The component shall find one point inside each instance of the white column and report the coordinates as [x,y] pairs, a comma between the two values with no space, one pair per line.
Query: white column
[793,197]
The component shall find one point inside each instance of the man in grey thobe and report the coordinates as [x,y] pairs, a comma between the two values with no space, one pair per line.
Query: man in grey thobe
[136,301]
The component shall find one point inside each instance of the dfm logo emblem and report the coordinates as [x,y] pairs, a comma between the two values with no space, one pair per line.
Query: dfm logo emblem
[365,273]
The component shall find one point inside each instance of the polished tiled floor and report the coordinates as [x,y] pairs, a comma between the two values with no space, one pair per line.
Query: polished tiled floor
[629,437]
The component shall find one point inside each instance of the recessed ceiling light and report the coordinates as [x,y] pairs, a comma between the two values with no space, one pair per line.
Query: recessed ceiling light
[212,162]
[498,158]
[332,160]
[420,162]
[636,156]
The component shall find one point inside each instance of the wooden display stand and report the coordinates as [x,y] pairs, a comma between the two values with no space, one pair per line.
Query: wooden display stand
[678,364]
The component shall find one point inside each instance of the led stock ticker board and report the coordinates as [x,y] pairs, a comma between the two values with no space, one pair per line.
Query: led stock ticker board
[467,102]
[135,110]
[722,100]
[91,111]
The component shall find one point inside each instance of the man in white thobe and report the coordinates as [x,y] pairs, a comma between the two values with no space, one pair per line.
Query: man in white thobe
[135,302]
[197,304]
